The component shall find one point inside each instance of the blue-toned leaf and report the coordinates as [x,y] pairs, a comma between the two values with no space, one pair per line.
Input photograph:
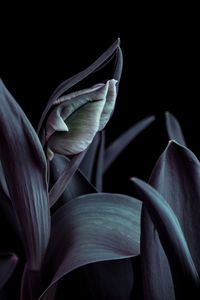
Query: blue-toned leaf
[78,185]
[88,163]
[63,180]
[185,276]
[8,262]
[176,176]
[100,164]
[70,82]
[91,228]
[24,166]
[174,129]
[116,147]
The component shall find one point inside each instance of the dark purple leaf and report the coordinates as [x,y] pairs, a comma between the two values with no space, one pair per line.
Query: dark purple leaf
[174,129]
[116,147]
[88,163]
[176,176]
[8,262]
[70,82]
[100,164]
[91,228]
[64,179]
[78,185]
[24,166]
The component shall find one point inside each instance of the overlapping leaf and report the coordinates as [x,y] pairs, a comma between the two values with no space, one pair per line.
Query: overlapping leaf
[116,147]
[8,262]
[174,129]
[78,185]
[176,177]
[92,228]
[70,82]
[185,276]
[24,165]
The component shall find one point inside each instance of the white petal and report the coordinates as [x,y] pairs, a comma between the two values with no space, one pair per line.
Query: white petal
[110,103]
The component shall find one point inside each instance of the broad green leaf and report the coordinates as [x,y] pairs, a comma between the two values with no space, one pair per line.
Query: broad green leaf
[8,262]
[24,166]
[176,176]
[91,228]
[70,82]
[116,147]
[174,129]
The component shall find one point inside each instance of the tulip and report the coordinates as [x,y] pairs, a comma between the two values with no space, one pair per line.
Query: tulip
[77,117]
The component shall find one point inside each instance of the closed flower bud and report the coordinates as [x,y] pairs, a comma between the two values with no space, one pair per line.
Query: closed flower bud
[77,117]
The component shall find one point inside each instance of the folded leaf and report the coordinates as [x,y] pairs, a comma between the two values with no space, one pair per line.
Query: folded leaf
[24,166]
[78,185]
[70,82]
[8,262]
[185,276]
[64,179]
[88,163]
[174,129]
[176,176]
[116,147]
[6,204]
[100,164]
[92,228]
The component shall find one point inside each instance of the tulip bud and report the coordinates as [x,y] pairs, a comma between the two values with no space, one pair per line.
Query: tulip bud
[77,117]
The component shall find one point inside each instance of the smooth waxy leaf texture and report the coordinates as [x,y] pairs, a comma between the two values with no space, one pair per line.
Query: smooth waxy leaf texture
[176,177]
[77,186]
[92,228]
[24,165]
[8,262]
[116,147]
[62,182]
[88,164]
[174,129]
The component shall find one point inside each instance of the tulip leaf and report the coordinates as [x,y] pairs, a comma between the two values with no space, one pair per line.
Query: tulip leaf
[70,82]
[88,163]
[6,204]
[92,164]
[24,166]
[99,164]
[64,179]
[8,262]
[185,276]
[176,177]
[174,129]
[116,147]
[92,228]
[78,185]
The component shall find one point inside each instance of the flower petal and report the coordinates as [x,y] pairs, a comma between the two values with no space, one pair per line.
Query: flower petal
[83,125]
[67,84]
[109,104]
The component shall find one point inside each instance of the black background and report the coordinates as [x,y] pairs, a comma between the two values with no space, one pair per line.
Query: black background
[40,48]
[161,70]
